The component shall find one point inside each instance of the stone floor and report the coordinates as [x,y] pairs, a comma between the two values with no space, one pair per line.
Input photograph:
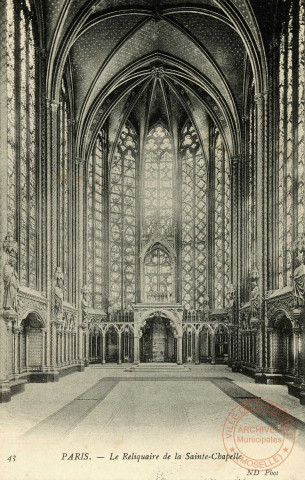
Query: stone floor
[138,410]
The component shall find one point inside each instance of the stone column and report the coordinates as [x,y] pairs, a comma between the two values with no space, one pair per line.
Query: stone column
[67,334]
[27,332]
[73,346]
[179,350]
[16,350]
[213,361]
[51,231]
[54,352]
[5,391]
[63,334]
[296,336]
[287,353]
[136,349]
[196,347]
[58,347]
[87,347]
[80,179]
[101,345]
[119,347]
[301,352]
[270,343]
[104,347]
[80,344]
[261,100]
[43,353]
[230,346]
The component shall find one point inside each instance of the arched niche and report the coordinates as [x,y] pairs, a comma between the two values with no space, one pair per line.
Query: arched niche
[221,343]
[112,344]
[32,351]
[158,264]
[158,342]
[280,342]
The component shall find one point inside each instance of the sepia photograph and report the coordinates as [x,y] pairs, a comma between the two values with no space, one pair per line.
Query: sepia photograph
[152,238]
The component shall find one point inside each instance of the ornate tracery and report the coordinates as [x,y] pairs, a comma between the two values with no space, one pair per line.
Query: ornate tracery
[290,133]
[65,188]
[194,219]
[96,224]
[122,220]
[158,181]
[222,224]
[22,137]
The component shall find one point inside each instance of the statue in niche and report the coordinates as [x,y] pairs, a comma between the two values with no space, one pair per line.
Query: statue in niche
[254,297]
[58,292]
[111,311]
[85,299]
[231,297]
[10,277]
[298,280]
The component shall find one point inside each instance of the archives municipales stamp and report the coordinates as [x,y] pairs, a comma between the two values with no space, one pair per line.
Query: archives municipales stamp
[261,431]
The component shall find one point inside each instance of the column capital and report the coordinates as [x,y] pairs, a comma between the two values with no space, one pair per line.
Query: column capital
[236,160]
[52,104]
[260,97]
[80,161]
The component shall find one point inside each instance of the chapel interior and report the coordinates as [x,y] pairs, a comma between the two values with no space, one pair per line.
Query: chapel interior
[152,158]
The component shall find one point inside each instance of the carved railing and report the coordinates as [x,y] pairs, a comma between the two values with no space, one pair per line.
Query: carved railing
[122,316]
[194,316]
[159,297]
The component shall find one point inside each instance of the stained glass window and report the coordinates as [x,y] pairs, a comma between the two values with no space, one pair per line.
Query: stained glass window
[11,120]
[158,181]
[64,189]
[122,220]
[96,228]
[222,225]
[194,219]
[281,166]
[301,120]
[22,107]
[251,217]
[158,276]
[285,156]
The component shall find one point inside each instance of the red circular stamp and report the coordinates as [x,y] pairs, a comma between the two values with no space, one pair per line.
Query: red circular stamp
[258,434]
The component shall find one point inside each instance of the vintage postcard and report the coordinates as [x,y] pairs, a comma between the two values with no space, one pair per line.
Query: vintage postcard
[152,237]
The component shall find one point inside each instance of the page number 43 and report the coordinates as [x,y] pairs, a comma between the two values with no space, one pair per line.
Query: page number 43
[11,458]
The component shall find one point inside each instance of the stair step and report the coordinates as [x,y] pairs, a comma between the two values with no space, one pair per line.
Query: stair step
[158,367]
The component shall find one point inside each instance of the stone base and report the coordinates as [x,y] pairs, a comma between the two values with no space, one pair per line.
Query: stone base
[66,370]
[18,386]
[297,391]
[270,378]
[7,389]
[247,370]
[44,376]
[5,393]
[236,366]
[80,367]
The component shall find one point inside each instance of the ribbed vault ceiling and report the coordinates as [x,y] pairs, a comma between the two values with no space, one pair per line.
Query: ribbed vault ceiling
[115,47]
